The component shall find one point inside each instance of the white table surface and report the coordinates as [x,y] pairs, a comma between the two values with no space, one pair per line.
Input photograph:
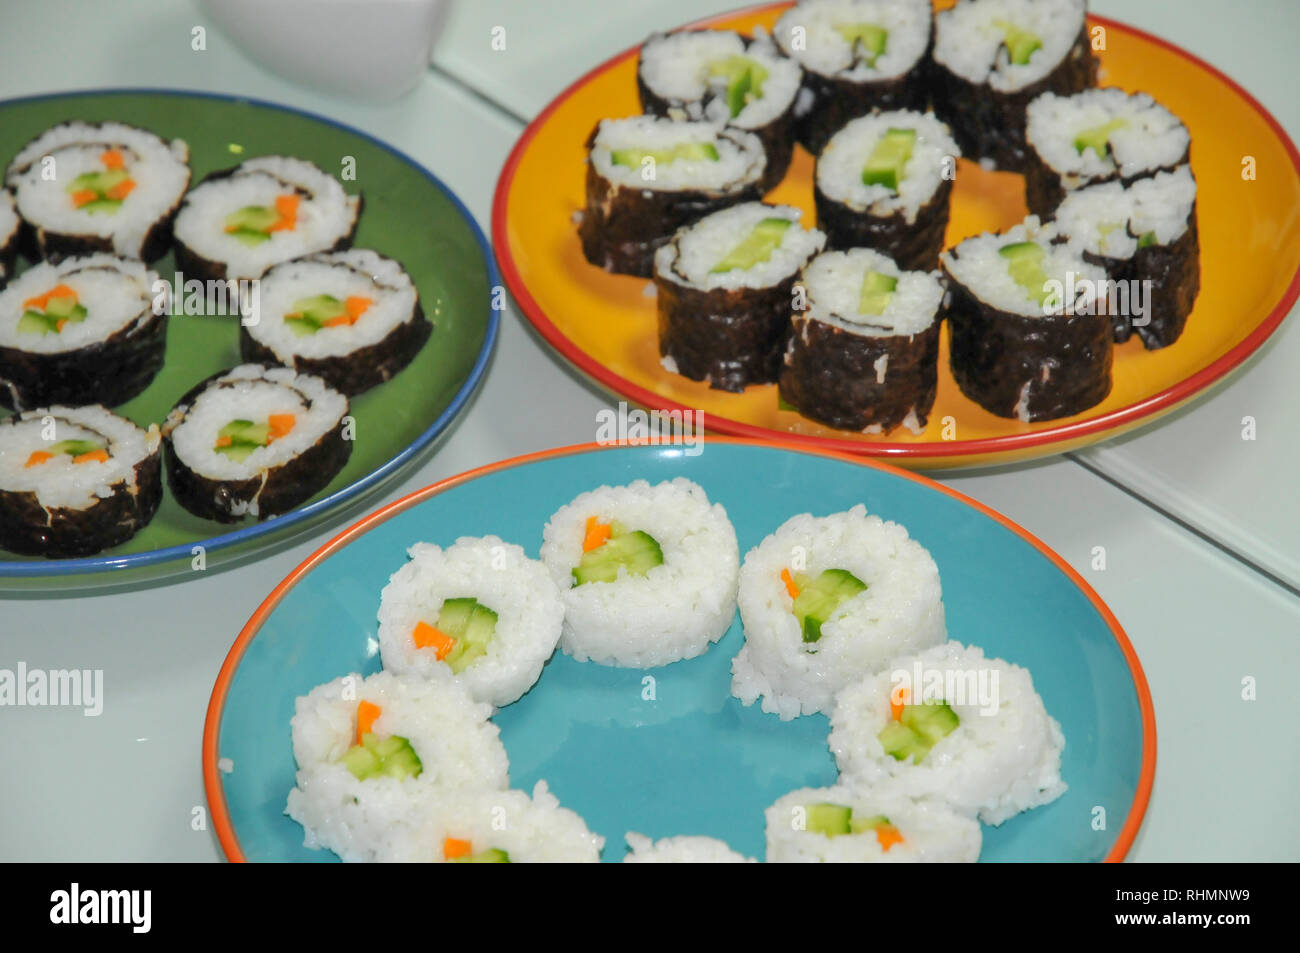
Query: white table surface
[1199,610]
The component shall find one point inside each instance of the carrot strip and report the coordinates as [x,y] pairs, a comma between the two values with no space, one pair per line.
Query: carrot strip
[58,291]
[367,714]
[897,701]
[121,190]
[426,636]
[84,197]
[280,425]
[38,457]
[888,836]
[287,206]
[453,848]
[95,456]
[224,440]
[112,159]
[790,586]
[338,322]
[356,306]
[596,535]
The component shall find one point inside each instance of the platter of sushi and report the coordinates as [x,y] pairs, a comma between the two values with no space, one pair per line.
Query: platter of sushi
[220,321]
[759,652]
[952,235]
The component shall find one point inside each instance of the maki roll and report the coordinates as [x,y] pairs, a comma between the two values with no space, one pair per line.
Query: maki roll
[254,441]
[372,751]
[1145,237]
[723,292]
[647,573]
[86,187]
[87,330]
[864,354]
[237,223]
[480,609]
[847,825]
[681,850]
[883,182]
[724,77]
[1101,135]
[75,480]
[858,56]
[1030,339]
[827,600]
[992,58]
[352,318]
[10,228]
[927,728]
[648,176]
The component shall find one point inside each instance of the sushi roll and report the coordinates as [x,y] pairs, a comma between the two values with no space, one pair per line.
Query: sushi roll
[480,609]
[724,77]
[883,182]
[370,752]
[681,850]
[10,229]
[1022,344]
[846,825]
[858,56]
[75,480]
[826,601]
[723,292]
[352,318]
[254,441]
[238,222]
[87,330]
[648,176]
[85,187]
[863,355]
[1101,135]
[648,573]
[992,58]
[949,723]
[496,827]
[1145,237]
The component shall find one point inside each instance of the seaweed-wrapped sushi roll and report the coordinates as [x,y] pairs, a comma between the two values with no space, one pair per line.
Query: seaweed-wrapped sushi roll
[724,288]
[10,230]
[352,318]
[87,330]
[992,58]
[238,222]
[863,355]
[1100,135]
[858,56]
[1030,338]
[85,187]
[480,609]
[721,76]
[884,182]
[647,176]
[254,441]
[681,850]
[75,480]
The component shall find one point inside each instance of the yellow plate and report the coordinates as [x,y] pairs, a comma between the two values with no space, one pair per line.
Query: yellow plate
[606,326]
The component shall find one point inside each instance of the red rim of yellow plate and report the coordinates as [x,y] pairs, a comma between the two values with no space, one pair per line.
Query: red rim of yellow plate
[1066,434]
[225,829]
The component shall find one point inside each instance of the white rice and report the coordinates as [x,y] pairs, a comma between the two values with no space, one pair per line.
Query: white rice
[681,850]
[502,578]
[969,40]
[740,163]
[696,249]
[1108,219]
[833,285]
[901,610]
[1163,204]
[672,612]
[807,33]
[1003,757]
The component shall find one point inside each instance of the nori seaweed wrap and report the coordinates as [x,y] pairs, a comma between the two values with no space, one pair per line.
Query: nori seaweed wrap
[10,232]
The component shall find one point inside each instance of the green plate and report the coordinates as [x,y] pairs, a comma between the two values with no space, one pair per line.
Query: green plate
[408,215]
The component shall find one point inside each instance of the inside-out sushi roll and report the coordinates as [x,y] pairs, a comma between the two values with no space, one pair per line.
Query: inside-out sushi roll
[884,182]
[83,331]
[647,176]
[371,751]
[254,441]
[681,850]
[75,480]
[496,827]
[85,187]
[848,825]
[992,58]
[10,227]
[826,601]
[857,56]
[951,724]
[648,573]
[724,77]
[237,223]
[1145,236]
[1030,339]
[724,287]
[1100,135]
[480,609]
[864,353]
[352,318]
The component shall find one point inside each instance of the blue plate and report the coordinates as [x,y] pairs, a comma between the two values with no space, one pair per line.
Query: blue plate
[687,757]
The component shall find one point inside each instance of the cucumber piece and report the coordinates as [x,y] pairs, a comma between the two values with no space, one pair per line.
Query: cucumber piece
[302,325]
[464,654]
[1020,43]
[637,552]
[34,322]
[1147,240]
[493,855]
[1025,263]
[253,218]
[867,37]
[319,308]
[455,615]
[1098,137]
[391,757]
[860,825]
[829,819]
[245,431]
[632,158]
[931,722]
[756,247]
[877,289]
[472,626]
[745,79]
[249,237]
[899,741]
[362,762]
[238,452]
[482,626]
[61,306]
[820,597]
[87,180]
[102,205]
[75,448]
[889,158]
